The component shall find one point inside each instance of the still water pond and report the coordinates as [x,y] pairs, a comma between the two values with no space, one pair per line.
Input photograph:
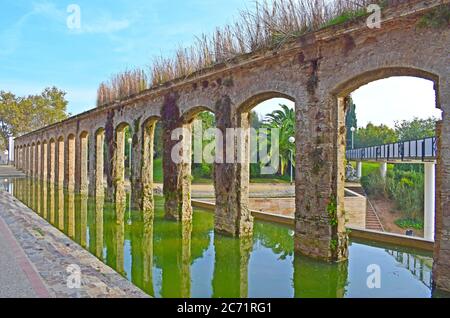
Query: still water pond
[169,259]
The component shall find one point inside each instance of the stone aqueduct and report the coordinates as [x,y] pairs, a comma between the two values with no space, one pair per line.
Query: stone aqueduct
[317,72]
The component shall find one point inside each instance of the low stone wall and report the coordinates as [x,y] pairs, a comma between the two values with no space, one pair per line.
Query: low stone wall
[355,209]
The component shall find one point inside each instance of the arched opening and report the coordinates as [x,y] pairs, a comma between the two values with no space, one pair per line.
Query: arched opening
[392,125]
[270,160]
[200,124]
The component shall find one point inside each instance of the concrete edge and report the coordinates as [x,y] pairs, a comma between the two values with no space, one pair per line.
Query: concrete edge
[355,232]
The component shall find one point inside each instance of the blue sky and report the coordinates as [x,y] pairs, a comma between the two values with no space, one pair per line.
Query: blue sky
[37,50]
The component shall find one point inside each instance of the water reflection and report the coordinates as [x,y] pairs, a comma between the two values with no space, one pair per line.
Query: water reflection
[170,259]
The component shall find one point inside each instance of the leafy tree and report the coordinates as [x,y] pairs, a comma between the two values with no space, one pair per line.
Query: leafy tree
[350,120]
[416,129]
[284,120]
[21,115]
[373,135]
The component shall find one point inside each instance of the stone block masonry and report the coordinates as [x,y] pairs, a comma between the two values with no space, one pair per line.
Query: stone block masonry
[317,71]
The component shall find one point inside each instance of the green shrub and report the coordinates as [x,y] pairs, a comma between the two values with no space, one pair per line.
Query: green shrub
[374,184]
[409,224]
[406,188]
[203,170]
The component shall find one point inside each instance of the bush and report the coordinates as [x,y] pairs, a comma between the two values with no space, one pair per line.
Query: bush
[409,224]
[406,188]
[203,170]
[374,184]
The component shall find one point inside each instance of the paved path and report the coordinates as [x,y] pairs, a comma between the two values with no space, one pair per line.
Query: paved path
[18,278]
[34,258]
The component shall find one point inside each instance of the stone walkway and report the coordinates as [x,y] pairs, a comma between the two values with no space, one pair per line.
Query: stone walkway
[35,257]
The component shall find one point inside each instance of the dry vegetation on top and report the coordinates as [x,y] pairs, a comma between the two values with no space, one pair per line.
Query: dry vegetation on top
[268,25]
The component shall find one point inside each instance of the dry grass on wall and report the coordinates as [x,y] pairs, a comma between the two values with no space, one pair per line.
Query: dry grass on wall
[269,25]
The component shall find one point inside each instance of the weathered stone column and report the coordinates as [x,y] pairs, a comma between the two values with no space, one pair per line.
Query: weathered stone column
[81,181]
[92,153]
[320,174]
[69,169]
[119,167]
[231,178]
[32,161]
[45,162]
[177,176]
[142,165]
[38,161]
[52,161]
[60,162]
[441,267]
[97,171]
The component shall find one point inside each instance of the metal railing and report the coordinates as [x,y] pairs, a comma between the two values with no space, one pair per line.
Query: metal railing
[420,149]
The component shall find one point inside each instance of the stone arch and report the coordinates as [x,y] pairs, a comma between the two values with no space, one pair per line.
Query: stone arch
[355,82]
[252,101]
[188,116]
[343,89]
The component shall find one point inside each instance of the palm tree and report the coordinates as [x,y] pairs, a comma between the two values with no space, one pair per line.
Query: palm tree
[284,120]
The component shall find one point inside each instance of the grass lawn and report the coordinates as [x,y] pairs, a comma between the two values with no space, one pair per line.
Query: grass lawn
[370,167]
[158,176]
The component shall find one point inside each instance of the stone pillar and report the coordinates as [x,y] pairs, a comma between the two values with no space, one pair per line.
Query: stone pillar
[119,167]
[359,169]
[429,200]
[45,162]
[29,160]
[231,178]
[320,230]
[383,169]
[176,174]
[26,161]
[39,161]
[441,265]
[60,163]
[32,161]
[52,162]
[142,170]
[98,169]
[82,167]
[69,169]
